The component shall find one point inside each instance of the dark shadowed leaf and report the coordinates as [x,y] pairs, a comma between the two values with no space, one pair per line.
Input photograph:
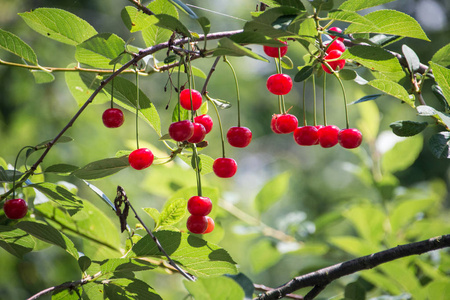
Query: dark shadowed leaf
[84,262]
[437,91]
[102,168]
[227,47]
[61,169]
[184,8]
[129,288]
[173,24]
[15,241]
[408,128]
[9,175]
[304,73]
[322,4]
[411,58]
[245,283]
[366,98]
[205,24]
[355,291]
[440,144]
[115,265]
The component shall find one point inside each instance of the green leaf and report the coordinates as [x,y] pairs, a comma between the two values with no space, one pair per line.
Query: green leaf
[173,24]
[368,221]
[82,84]
[205,24]
[438,290]
[402,155]
[227,47]
[349,16]
[354,291]
[426,111]
[304,73]
[263,255]
[219,102]
[153,213]
[129,288]
[408,128]
[373,58]
[366,98]
[153,34]
[102,168]
[442,77]
[369,123]
[255,38]
[41,77]
[347,74]
[286,63]
[195,71]
[272,192]
[61,169]
[442,56]
[197,256]
[245,283]
[100,50]
[437,91]
[355,5]
[15,241]
[84,262]
[218,288]
[393,89]
[69,201]
[440,144]
[406,212]
[125,93]
[135,20]
[206,162]
[100,235]
[411,58]
[12,43]
[353,245]
[59,25]
[49,235]
[322,5]
[115,265]
[404,25]
[9,175]
[184,8]
[172,212]
[293,3]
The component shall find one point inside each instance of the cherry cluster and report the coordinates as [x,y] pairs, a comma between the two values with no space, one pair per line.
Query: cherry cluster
[281,84]
[199,208]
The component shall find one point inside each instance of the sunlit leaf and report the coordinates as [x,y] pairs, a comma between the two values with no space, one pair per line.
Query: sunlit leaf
[172,212]
[128,288]
[392,88]
[355,5]
[442,76]
[12,43]
[136,20]
[373,58]
[15,241]
[102,168]
[402,155]
[263,255]
[227,47]
[214,288]
[442,56]
[154,34]
[173,24]
[272,192]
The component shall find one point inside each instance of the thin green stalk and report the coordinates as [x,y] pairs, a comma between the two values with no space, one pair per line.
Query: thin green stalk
[137,110]
[237,89]
[345,99]
[197,169]
[314,100]
[112,87]
[324,100]
[220,124]
[304,103]
[178,88]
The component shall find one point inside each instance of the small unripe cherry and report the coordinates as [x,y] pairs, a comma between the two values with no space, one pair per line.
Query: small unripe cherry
[185,99]
[276,51]
[279,84]
[197,224]
[15,208]
[199,206]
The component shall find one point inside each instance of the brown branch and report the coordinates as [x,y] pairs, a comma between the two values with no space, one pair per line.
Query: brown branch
[144,9]
[324,276]
[261,287]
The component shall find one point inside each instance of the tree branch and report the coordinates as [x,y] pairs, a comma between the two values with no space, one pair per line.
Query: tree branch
[324,276]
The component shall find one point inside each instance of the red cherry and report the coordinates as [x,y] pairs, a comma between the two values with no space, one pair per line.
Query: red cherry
[140,158]
[279,84]
[306,136]
[276,51]
[112,118]
[350,138]
[197,224]
[286,123]
[210,225]
[15,208]
[336,29]
[206,121]
[335,64]
[328,136]
[239,136]
[185,99]
[318,127]
[181,131]
[273,123]
[199,134]
[224,167]
[336,45]
[199,206]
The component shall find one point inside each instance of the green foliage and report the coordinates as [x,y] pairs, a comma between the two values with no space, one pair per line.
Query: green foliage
[220,288]
[12,43]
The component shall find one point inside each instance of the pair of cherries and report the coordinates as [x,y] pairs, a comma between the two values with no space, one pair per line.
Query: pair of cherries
[198,222]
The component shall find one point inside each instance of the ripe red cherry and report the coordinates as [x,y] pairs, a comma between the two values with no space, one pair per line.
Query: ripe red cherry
[181,131]
[112,118]
[197,224]
[15,208]
[199,206]
[350,138]
[224,167]
[273,123]
[306,136]
[328,136]
[210,225]
[335,64]
[336,29]
[279,84]
[286,123]
[336,45]
[199,134]
[185,99]
[141,158]
[275,51]
[206,121]
[239,136]
[318,127]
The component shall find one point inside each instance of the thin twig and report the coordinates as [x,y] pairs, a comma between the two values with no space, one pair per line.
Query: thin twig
[261,287]
[211,71]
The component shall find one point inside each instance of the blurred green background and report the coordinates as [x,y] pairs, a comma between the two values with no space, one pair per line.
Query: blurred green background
[324,196]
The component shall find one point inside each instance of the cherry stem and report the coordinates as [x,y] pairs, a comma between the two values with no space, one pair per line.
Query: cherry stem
[237,89]
[280,98]
[324,100]
[112,87]
[304,103]
[220,124]
[280,104]
[178,87]
[196,158]
[345,100]
[190,85]
[314,100]
[137,109]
